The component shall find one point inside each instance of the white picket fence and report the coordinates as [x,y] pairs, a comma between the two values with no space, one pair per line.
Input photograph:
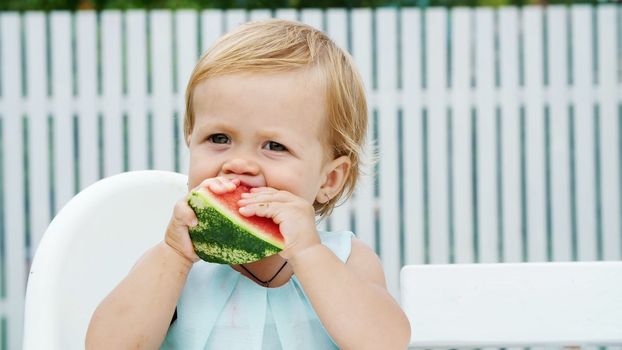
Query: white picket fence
[498,129]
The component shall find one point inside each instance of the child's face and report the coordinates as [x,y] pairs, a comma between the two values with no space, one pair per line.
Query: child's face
[265,129]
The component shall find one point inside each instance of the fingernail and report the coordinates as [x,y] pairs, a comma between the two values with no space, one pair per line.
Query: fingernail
[244,210]
[246,195]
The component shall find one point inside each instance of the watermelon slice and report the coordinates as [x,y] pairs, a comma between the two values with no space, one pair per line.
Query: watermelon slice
[224,236]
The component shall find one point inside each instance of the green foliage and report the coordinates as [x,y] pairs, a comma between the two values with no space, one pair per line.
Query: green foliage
[48,5]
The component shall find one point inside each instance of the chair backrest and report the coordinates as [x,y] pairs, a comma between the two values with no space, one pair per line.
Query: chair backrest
[89,247]
[518,304]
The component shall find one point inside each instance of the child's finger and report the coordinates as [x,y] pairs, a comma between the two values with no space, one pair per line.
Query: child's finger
[254,209]
[218,180]
[263,209]
[205,182]
[220,185]
[228,182]
[259,197]
[258,191]
[263,200]
[263,189]
[184,215]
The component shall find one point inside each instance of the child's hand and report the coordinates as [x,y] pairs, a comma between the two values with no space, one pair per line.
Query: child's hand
[177,236]
[294,215]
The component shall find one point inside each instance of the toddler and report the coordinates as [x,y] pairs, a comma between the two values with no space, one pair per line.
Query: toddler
[277,106]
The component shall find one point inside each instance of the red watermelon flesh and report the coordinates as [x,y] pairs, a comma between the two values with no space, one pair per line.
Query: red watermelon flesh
[225,236]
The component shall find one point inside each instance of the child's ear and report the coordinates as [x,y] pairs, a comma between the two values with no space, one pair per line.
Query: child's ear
[335,175]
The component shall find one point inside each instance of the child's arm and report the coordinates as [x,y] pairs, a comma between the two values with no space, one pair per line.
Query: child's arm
[138,312]
[350,299]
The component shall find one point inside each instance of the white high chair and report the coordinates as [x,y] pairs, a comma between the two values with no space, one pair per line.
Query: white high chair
[570,304]
[89,247]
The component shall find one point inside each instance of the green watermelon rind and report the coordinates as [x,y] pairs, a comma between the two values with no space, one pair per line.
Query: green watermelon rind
[222,238]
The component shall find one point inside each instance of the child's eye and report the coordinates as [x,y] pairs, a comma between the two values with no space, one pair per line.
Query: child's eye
[219,138]
[275,146]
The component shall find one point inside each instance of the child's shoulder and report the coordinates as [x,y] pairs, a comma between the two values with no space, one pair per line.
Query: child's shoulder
[365,262]
[351,249]
[339,242]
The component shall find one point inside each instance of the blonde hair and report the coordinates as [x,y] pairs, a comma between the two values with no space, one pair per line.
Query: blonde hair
[278,46]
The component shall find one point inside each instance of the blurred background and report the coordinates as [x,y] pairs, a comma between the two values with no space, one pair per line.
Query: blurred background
[497,122]
[16,5]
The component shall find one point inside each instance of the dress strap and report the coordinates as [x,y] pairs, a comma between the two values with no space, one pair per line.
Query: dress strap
[339,242]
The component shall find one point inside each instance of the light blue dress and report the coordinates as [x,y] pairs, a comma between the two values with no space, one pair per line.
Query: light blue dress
[221,309]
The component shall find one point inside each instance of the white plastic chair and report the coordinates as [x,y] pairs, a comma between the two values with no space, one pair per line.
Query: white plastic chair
[570,304]
[89,247]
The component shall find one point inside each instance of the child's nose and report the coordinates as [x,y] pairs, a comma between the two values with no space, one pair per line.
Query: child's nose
[240,166]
